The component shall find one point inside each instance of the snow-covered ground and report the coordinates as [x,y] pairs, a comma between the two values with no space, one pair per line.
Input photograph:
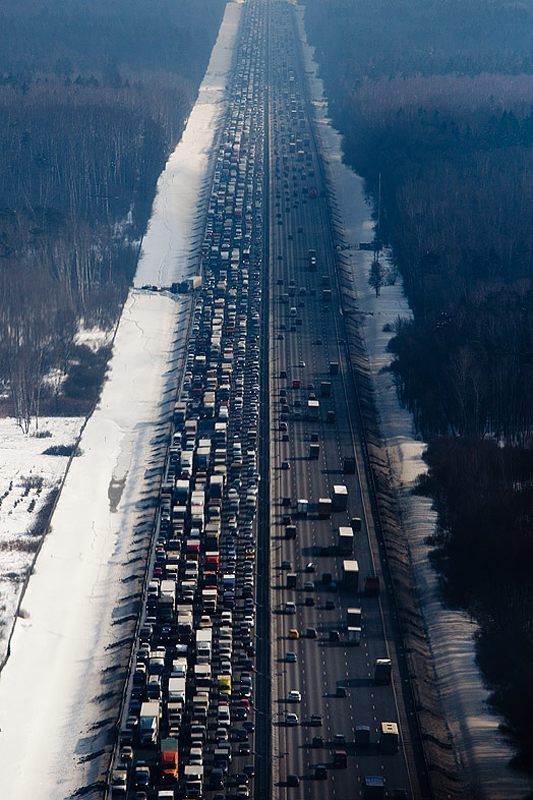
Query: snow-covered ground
[57,696]
[481,748]
[28,480]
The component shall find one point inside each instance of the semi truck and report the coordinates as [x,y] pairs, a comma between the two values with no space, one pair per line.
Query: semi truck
[350,575]
[389,740]
[345,540]
[354,617]
[340,498]
[324,507]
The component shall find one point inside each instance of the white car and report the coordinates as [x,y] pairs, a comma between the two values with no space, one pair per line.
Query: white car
[294,696]
[291,719]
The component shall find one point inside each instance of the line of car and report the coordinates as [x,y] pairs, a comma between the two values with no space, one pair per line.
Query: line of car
[190,719]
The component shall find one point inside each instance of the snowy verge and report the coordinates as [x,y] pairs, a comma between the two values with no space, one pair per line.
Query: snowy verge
[60,643]
[60,688]
[169,250]
[481,748]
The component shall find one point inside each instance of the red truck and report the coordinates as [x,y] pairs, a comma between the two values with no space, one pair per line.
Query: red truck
[169,759]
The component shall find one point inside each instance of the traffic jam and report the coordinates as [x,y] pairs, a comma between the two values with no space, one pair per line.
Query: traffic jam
[188,726]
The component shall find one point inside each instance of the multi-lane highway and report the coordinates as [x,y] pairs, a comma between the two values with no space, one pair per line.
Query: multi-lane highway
[254,667]
[306,335]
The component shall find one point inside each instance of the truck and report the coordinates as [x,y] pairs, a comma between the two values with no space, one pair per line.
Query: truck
[372,585]
[149,722]
[389,740]
[176,690]
[314,451]
[382,671]
[325,388]
[324,507]
[204,639]
[348,465]
[186,286]
[345,541]
[354,616]
[362,735]
[290,531]
[169,759]
[373,787]
[313,409]
[350,575]
[340,497]
[193,778]
[302,506]
[292,579]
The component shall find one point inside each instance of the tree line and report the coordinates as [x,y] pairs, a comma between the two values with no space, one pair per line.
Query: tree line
[93,98]
[437,99]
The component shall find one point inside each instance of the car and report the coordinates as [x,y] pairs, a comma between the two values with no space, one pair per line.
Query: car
[334,636]
[244,749]
[311,633]
[309,601]
[294,696]
[126,754]
[329,605]
[321,772]
[315,720]
[285,465]
[318,741]
[291,719]
[119,781]
[310,567]
[341,691]
[294,633]
[293,780]
[290,658]
[142,774]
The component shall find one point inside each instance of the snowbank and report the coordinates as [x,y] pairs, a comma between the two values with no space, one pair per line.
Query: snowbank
[481,748]
[59,689]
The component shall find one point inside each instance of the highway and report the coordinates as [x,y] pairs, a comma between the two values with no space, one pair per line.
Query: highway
[267,381]
[306,334]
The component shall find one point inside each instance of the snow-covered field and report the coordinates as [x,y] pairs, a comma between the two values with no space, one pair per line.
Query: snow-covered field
[28,481]
[481,748]
[57,695]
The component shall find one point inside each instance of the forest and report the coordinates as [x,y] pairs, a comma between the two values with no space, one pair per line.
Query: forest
[435,101]
[93,98]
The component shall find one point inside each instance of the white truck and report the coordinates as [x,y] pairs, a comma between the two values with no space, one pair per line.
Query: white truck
[176,690]
[149,722]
